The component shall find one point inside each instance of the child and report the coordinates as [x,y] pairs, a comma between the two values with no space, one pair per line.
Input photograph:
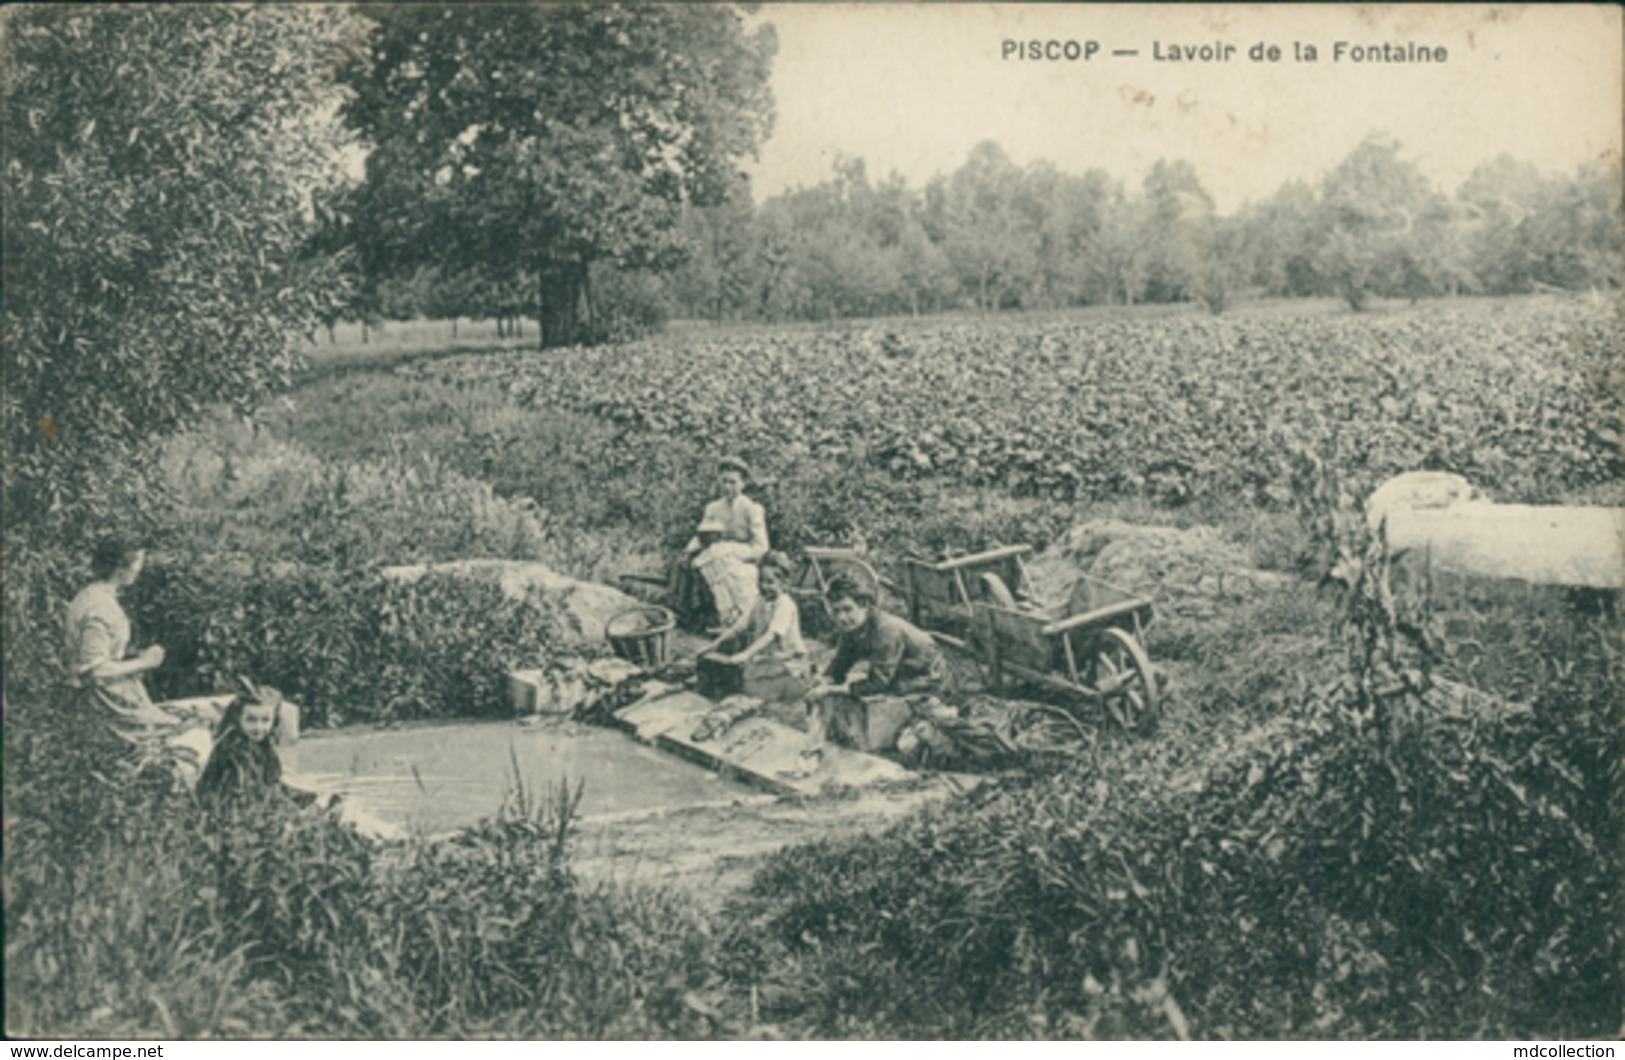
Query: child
[773,625]
[244,764]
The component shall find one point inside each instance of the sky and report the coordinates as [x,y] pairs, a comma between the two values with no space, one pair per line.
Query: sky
[911,88]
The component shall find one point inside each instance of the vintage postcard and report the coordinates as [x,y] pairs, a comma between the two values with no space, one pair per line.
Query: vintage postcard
[807,522]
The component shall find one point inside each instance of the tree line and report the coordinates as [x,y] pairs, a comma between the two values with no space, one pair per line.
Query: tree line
[994,235]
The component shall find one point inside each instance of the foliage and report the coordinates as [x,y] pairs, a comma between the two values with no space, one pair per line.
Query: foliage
[1372,200]
[1280,863]
[130,913]
[309,613]
[1521,400]
[158,166]
[1179,231]
[496,143]
[347,646]
[625,305]
[995,235]
[232,488]
[1450,872]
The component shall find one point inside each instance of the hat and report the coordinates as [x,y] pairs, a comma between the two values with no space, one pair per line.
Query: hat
[712,525]
[733,463]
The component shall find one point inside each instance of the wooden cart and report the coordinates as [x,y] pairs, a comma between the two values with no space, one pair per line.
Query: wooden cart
[942,595]
[1090,647]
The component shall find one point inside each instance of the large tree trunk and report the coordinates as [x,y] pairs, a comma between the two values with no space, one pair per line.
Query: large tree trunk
[560,288]
[587,304]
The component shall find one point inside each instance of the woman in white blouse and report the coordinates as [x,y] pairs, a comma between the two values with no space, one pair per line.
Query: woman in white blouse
[102,667]
[727,565]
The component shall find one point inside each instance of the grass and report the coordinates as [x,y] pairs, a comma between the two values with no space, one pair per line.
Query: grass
[1251,872]
[391,343]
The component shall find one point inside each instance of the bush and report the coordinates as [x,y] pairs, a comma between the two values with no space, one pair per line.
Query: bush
[347,646]
[129,307]
[310,614]
[626,305]
[234,488]
[129,913]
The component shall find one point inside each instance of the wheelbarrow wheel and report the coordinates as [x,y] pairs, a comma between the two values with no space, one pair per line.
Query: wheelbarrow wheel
[995,591]
[1126,682]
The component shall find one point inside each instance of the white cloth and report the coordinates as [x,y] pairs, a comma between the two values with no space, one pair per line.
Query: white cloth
[743,521]
[731,578]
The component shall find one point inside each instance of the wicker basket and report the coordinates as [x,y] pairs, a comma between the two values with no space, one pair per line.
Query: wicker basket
[642,635]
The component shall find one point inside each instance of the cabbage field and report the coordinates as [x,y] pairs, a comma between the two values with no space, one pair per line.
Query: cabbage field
[1523,398]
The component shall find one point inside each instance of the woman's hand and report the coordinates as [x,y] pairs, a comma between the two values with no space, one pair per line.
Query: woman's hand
[152,658]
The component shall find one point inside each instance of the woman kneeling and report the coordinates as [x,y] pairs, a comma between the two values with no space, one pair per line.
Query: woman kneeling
[897,659]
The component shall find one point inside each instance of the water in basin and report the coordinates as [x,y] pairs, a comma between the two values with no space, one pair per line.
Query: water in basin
[436,779]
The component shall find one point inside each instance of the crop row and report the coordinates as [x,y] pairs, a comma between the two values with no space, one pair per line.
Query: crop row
[1522,398]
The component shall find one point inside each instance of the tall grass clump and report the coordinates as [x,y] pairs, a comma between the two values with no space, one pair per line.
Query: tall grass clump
[132,913]
[233,488]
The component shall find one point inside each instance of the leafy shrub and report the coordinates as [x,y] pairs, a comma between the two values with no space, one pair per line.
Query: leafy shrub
[129,913]
[106,926]
[347,646]
[309,614]
[128,310]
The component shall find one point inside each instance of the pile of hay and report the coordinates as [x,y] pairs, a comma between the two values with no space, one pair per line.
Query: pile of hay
[1191,572]
[584,607]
